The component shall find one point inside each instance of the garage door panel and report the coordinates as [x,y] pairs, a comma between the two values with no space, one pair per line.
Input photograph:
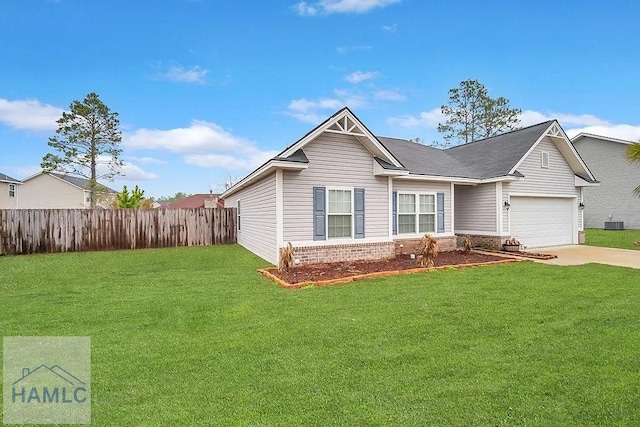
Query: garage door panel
[542,221]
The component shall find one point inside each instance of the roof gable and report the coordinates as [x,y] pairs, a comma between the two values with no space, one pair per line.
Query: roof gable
[346,123]
[498,155]
[566,148]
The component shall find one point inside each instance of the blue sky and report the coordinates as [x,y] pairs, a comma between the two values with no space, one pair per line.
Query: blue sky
[208,89]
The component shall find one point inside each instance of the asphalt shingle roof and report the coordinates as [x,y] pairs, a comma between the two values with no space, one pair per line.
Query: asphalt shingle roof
[486,158]
[7,178]
[77,181]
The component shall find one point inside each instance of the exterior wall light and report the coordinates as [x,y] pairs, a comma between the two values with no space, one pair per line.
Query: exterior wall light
[507,205]
[580,205]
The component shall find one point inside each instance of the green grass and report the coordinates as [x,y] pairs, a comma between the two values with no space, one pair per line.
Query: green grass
[194,336]
[623,239]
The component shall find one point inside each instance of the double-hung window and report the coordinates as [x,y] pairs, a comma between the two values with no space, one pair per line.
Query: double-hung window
[340,213]
[416,213]
[427,213]
[12,190]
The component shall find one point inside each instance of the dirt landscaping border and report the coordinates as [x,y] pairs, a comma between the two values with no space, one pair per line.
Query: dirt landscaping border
[268,274]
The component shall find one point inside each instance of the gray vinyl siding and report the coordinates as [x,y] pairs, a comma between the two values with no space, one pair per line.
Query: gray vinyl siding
[475,208]
[614,197]
[558,179]
[335,160]
[413,186]
[258,218]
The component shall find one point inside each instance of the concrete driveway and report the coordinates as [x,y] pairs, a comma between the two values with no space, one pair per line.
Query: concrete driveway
[582,254]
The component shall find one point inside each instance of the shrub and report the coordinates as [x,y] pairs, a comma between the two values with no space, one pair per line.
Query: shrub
[286,258]
[467,244]
[428,252]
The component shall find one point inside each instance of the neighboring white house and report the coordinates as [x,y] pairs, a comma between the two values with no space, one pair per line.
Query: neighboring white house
[56,191]
[613,200]
[341,193]
[8,192]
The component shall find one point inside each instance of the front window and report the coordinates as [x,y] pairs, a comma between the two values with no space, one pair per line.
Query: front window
[406,213]
[12,190]
[416,213]
[427,214]
[339,212]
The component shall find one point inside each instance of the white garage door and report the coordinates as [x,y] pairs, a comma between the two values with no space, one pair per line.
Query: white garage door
[542,221]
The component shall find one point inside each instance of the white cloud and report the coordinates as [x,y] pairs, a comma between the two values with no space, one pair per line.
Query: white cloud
[390,95]
[340,6]
[29,114]
[147,160]
[343,50]
[131,172]
[360,76]
[304,105]
[315,111]
[202,144]
[573,124]
[180,74]
[390,28]
[530,117]
[428,119]
[201,136]
[626,132]
[304,9]
[230,162]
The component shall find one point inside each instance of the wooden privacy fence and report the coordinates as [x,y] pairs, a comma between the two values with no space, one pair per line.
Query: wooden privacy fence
[26,231]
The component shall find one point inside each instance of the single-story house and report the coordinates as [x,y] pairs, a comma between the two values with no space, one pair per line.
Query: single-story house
[613,200]
[8,192]
[342,193]
[57,191]
[196,201]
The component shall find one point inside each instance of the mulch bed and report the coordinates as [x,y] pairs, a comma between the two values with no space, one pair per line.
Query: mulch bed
[342,272]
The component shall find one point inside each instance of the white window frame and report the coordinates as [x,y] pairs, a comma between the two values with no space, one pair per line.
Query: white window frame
[543,164]
[352,214]
[238,215]
[12,190]
[417,213]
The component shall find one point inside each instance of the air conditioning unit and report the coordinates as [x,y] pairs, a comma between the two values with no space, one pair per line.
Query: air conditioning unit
[614,225]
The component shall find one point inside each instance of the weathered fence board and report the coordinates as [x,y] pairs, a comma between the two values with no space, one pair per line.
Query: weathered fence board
[27,231]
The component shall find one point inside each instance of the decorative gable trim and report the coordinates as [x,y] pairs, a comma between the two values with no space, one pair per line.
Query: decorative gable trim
[344,122]
[566,148]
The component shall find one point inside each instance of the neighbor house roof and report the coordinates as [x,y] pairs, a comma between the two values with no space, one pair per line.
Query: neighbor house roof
[78,182]
[7,178]
[193,201]
[600,137]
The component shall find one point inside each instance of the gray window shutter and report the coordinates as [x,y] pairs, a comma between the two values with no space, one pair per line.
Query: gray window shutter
[358,203]
[394,212]
[440,208]
[319,214]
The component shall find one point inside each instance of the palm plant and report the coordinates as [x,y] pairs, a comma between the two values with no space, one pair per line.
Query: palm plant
[633,155]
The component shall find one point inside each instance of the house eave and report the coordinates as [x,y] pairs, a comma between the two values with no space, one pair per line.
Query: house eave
[579,182]
[458,180]
[261,172]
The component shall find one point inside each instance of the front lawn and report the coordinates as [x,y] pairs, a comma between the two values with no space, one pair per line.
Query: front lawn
[623,239]
[194,336]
